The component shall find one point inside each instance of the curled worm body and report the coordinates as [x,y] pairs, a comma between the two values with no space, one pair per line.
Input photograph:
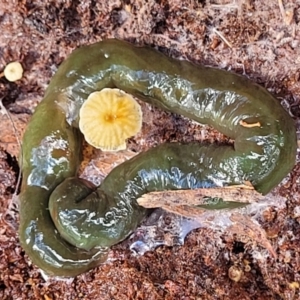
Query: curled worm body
[72,239]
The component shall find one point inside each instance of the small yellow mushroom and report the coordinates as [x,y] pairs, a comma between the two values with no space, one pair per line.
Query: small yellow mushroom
[108,117]
[235,273]
[13,71]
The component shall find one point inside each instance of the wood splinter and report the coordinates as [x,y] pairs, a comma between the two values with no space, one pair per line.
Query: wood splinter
[249,125]
[185,202]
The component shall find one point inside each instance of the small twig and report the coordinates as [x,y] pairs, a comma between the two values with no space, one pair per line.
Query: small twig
[4,111]
[286,15]
[185,202]
[282,11]
[222,37]
[225,6]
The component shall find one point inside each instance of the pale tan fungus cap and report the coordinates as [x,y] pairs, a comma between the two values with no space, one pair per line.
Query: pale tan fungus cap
[13,71]
[108,117]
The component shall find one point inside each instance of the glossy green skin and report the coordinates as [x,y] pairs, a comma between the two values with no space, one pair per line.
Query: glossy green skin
[52,150]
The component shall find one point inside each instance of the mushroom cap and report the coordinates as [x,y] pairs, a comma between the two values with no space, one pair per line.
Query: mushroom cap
[13,71]
[108,117]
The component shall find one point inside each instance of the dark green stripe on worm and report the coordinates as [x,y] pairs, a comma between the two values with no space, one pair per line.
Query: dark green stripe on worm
[52,148]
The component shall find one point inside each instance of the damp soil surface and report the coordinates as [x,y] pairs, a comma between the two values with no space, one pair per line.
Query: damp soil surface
[259,39]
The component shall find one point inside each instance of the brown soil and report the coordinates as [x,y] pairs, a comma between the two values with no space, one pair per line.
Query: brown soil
[259,39]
